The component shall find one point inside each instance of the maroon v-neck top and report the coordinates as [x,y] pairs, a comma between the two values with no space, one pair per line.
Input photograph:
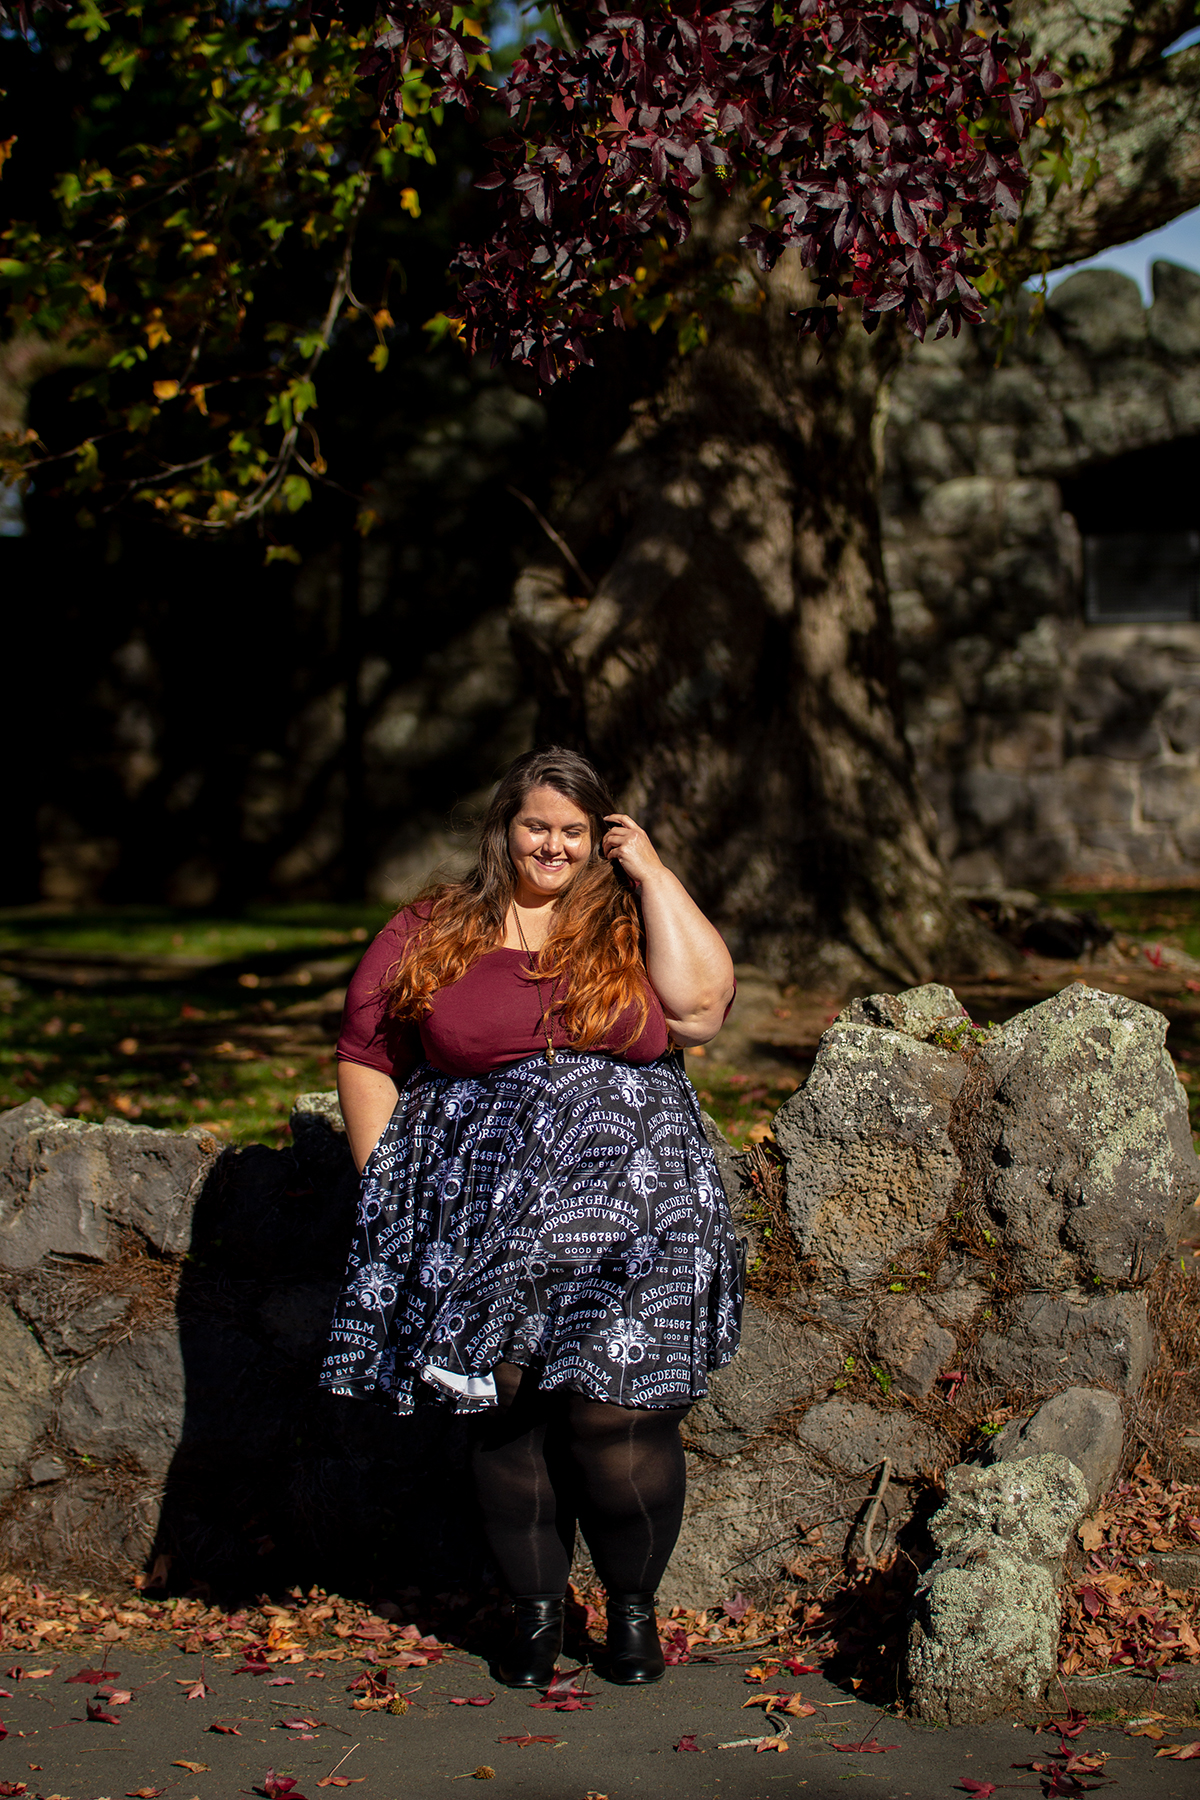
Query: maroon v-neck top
[491,1016]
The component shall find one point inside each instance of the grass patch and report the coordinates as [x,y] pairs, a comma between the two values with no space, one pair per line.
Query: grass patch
[175,1018]
[1170,913]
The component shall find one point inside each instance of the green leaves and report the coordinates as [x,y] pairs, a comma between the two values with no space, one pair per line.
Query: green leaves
[219,155]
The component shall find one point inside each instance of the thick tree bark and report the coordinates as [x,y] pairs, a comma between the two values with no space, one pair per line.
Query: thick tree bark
[733,672]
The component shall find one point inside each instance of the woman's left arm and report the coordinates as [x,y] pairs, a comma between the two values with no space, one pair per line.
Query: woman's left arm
[689,967]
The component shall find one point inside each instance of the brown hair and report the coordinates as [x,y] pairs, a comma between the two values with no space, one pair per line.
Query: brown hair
[594,948]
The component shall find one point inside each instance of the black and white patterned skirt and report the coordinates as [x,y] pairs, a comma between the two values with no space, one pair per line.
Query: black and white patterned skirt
[565,1216]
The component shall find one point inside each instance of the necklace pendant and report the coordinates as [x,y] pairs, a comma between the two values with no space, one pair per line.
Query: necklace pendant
[551,1054]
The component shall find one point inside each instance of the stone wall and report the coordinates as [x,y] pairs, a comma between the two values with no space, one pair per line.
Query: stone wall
[1052,750]
[961,1223]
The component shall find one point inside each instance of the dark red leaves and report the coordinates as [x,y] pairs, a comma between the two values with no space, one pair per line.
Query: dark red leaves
[278,1787]
[689,1743]
[473,1700]
[736,1609]
[868,1747]
[890,137]
[225,1730]
[567,1693]
[254,1661]
[91,1677]
[983,1789]
[10,1789]
[525,1738]
[795,1667]
[96,1712]
[676,1649]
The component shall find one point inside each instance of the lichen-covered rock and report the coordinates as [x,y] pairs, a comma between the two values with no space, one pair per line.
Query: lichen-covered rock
[920,1012]
[65,1185]
[1083,1424]
[984,1630]
[25,1377]
[1085,1140]
[870,1166]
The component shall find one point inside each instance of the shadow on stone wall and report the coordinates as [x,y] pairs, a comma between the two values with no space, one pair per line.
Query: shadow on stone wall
[168,1307]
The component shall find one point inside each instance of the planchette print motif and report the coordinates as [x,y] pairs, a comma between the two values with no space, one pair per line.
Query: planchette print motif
[559,1215]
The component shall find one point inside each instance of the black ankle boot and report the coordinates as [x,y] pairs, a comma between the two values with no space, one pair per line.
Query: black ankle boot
[634,1651]
[529,1659]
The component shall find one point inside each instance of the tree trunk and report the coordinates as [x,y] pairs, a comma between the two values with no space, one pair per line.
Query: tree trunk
[733,673]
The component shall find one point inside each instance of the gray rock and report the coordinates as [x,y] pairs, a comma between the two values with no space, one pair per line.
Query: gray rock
[128,1402]
[853,1438]
[25,1376]
[777,1364]
[1100,310]
[44,1469]
[319,1137]
[1174,318]
[921,1012]
[870,1167]
[1083,1424]
[739,1525]
[1048,1339]
[82,1331]
[65,1184]
[1084,1144]
[984,1630]
[914,1347]
[731,1165]
[1178,1568]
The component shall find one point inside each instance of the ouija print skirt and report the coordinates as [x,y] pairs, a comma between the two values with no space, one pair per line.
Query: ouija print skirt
[566,1217]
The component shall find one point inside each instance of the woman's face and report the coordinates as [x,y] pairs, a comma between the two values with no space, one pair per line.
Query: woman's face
[548,840]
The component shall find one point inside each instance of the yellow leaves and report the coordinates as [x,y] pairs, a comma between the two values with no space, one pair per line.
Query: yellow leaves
[382,319]
[6,150]
[1091,1534]
[410,202]
[367,520]
[165,390]
[199,398]
[379,358]
[281,553]
[95,292]
[156,331]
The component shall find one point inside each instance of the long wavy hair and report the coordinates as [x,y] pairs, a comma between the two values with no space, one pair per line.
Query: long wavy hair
[592,956]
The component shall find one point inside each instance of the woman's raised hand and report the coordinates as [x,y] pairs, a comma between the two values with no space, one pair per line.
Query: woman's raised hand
[625,842]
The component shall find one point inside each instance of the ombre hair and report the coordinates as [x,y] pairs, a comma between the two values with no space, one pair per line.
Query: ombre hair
[593,951]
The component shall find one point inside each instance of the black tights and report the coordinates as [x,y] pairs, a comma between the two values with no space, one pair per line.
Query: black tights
[543,1462]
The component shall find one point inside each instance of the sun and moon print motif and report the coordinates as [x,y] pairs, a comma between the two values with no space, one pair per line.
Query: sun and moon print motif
[567,1216]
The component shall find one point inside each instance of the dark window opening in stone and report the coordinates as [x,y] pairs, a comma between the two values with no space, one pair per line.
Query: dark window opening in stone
[1139,517]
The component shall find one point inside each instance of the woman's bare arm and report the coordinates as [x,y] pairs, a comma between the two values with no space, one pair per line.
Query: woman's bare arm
[368,1099]
[689,967]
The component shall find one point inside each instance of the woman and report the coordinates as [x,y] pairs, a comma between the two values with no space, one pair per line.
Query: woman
[543,1238]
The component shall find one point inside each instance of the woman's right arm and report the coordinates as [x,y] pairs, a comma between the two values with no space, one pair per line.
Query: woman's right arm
[368,1099]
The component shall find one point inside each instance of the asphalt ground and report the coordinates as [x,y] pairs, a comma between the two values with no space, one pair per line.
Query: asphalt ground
[622,1749]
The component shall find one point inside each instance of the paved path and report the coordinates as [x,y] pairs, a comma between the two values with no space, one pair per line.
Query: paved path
[623,1749]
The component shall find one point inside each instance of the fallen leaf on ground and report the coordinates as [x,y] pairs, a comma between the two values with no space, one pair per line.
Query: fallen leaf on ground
[45,1674]
[472,1699]
[118,1696]
[302,1724]
[868,1747]
[143,1793]
[737,1608]
[198,1690]
[689,1743]
[279,1787]
[798,1668]
[526,1738]
[772,1743]
[9,1789]
[194,1768]
[227,1730]
[794,1704]
[1146,1731]
[290,1681]
[340,1780]
[89,1676]
[97,1713]
[1180,1752]
[982,1789]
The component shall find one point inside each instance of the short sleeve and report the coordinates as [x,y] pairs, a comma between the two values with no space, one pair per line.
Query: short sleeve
[369,1035]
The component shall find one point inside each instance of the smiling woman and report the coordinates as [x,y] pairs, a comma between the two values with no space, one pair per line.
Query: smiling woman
[542,1235]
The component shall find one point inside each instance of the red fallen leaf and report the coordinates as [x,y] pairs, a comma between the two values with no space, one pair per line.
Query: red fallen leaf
[676,1649]
[376,1631]
[1070,1727]
[983,1789]
[302,1724]
[117,1696]
[5,1694]
[470,1700]
[526,1738]
[565,1682]
[279,1787]
[689,1743]
[255,1663]
[736,1609]
[340,1780]
[143,1793]
[1180,1752]
[198,1690]
[290,1681]
[227,1730]
[798,1668]
[10,1789]
[868,1747]
[1083,1762]
[89,1676]
[96,1711]
[576,1703]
